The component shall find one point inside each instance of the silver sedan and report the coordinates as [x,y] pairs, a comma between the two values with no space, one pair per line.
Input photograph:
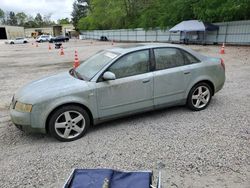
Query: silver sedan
[19,40]
[114,83]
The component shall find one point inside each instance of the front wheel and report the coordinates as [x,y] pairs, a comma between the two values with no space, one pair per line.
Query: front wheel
[69,123]
[199,97]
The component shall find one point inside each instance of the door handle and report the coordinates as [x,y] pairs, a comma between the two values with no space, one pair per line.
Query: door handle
[187,72]
[145,81]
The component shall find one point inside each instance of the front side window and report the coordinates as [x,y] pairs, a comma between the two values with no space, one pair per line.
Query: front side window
[166,58]
[131,64]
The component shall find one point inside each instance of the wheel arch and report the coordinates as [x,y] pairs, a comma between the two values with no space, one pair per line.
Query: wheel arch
[66,104]
[210,83]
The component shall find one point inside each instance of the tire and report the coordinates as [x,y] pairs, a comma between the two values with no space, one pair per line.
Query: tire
[63,125]
[25,42]
[11,42]
[199,96]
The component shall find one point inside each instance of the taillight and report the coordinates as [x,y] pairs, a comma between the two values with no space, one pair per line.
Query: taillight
[222,63]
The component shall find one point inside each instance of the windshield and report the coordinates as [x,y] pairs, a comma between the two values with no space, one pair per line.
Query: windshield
[95,63]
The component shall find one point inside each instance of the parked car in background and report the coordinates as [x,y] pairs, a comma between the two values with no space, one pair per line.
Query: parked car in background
[59,39]
[18,40]
[103,38]
[117,82]
[43,38]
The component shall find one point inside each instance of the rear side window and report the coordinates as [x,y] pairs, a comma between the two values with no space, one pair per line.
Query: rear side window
[190,59]
[166,58]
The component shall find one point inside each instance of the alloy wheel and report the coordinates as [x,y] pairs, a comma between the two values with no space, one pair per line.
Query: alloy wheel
[70,124]
[201,96]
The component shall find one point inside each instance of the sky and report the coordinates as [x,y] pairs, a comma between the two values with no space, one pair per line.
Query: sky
[58,8]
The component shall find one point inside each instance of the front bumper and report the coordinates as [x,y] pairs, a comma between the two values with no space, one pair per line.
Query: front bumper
[22,120]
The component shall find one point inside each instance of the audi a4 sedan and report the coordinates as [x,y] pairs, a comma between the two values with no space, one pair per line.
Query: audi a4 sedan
[117,82]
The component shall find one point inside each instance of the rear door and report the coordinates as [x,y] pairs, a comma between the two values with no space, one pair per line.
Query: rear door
[169,76]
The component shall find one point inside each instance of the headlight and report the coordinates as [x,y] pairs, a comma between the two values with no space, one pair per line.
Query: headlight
[23,107]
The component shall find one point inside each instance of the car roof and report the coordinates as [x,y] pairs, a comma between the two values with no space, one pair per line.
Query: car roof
[140,46]
[123,49]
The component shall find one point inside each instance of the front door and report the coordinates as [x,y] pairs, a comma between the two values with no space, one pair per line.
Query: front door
[131,91]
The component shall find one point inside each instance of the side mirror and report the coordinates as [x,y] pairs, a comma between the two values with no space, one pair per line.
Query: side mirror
[109,76]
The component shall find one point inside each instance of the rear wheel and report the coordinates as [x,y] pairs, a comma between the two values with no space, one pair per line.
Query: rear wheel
[199,96]
[69,123]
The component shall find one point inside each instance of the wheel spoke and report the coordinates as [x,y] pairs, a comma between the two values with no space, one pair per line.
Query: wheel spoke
[199,90]
[60,125]
[205,93]
[66,133]
[195,96]
[204,100]
[77,129]
[77,119]
[197,104]
[67,116]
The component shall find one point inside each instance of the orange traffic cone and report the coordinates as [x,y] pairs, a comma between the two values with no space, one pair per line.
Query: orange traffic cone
[222,50]
[76,62]
[49,47]
[61,52]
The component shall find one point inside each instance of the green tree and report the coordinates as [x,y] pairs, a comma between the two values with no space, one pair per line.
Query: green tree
[63,21]
[39,20]
[11,19]
[21,18]
[47,20]
[30,22]
[223,10]
[80,10]
[112,14]
[2,16]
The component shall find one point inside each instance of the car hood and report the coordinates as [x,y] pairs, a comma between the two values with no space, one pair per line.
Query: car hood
[50,88]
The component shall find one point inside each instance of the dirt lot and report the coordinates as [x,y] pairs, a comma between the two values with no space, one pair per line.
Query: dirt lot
[210,148]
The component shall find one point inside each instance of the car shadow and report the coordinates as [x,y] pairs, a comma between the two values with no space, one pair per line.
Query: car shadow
[138,117]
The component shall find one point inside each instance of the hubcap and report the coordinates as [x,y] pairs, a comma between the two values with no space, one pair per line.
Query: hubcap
[200,97]
[69,124]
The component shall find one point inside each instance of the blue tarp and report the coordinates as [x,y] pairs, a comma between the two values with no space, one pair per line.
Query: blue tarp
[108,178]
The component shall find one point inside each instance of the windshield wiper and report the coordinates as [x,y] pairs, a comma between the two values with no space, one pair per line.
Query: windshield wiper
[76,74]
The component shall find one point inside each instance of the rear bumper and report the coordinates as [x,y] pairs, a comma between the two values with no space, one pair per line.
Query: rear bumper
[219,87]
[220,82]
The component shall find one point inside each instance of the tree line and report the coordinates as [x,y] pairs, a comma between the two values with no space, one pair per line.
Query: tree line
[118,14]
[28,21]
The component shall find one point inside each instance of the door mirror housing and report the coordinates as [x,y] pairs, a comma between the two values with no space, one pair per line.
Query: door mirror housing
[109,76]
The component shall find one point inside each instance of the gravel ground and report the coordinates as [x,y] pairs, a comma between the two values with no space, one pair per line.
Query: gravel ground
[210,148]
